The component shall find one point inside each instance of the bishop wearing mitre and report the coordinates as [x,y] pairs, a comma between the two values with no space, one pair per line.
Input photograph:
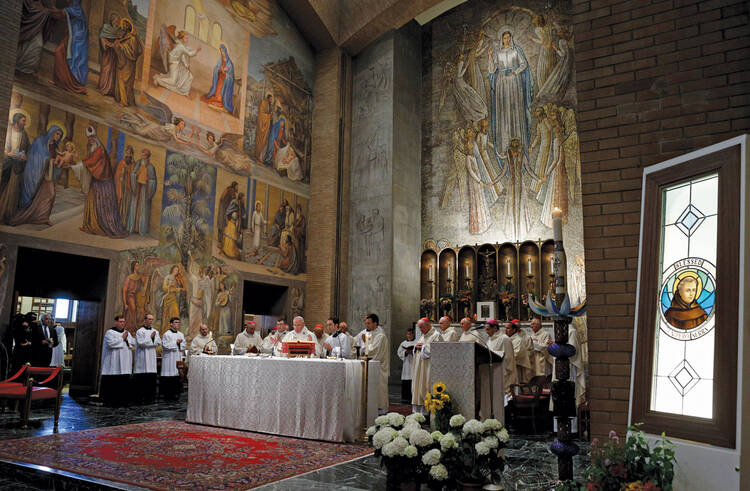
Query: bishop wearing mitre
[117,364]
[522,348]
[203,343]
[421,375]
[377,347]
[446,333]
[248,341]
[501,344]
[541,360]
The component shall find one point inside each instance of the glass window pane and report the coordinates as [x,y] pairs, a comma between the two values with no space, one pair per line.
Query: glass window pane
[684,344]
[74,314]
[61,308]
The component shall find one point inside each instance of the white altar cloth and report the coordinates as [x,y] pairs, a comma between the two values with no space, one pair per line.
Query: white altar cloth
[311,398]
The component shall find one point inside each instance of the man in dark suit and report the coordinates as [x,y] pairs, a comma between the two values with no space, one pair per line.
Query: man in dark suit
[44,338]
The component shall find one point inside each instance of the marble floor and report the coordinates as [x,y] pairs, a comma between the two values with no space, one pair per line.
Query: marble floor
[529,463]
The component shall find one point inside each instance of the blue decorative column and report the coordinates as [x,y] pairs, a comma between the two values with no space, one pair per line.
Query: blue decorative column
[563,389]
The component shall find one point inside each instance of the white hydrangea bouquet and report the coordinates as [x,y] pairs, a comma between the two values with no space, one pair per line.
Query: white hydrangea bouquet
[469,452]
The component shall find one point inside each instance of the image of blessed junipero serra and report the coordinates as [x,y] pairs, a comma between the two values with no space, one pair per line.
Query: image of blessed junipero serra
[685,313]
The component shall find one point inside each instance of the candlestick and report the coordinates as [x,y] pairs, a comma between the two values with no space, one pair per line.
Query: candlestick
[529,261]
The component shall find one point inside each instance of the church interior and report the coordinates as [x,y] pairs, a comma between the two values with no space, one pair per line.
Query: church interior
[375,244]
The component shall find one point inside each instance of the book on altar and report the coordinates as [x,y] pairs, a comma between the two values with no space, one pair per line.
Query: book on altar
[298,348]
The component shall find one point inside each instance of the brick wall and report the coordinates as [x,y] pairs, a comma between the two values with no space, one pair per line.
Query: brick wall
[654,80]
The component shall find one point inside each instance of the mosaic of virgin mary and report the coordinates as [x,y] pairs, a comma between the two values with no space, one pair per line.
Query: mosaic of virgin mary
[684,311]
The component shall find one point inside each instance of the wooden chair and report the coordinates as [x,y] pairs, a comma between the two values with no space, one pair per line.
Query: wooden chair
[527,397]
[17,380]
[49,388]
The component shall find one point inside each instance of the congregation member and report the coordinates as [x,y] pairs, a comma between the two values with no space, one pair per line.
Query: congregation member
[446,333]
[337,342]
[522,350]
[421,375]
[44,339]
[501,344]
[319,338]
[541,360]
[117,364]
[466,335]
[344,328]
[144,379]
[376,346]
[248,341]
[172,344]
[405,351]
[203,343]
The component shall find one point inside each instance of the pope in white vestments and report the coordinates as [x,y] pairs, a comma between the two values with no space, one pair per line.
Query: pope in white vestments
[446,333]
[405,351]
[172,344]
[522,348]
[117,364]
[203,343]
[541,360]
[377,347]
[421,378]
[248,341]
[146,340]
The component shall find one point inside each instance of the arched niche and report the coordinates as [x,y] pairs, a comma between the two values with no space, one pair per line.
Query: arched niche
[528,255]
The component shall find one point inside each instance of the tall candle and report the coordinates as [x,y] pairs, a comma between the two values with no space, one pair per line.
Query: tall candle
[530,273]
[551,263]
[557,216]
[507,263]
[468,273]
[429,273]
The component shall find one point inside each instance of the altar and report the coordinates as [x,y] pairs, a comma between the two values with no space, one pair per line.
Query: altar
[311,398]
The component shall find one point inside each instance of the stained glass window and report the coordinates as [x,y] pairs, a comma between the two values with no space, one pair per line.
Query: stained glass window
[684,347]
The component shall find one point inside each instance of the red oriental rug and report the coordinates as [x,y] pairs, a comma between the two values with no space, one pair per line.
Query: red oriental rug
[178,455]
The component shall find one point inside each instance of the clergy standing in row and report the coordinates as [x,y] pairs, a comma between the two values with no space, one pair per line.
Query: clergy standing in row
[146,340]
[466,335]
[248,341]
[421,378]
[522,348]
[344,328]
[172,344]
[541,360]
[337,343]
[117,364]
[203,343]
[405,351]
[502,345]
[446,333]
[377,347]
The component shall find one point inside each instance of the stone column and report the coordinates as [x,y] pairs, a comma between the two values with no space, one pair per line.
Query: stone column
[385,213]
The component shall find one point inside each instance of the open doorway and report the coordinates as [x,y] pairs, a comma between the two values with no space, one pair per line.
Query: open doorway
[264,303]
[72,289]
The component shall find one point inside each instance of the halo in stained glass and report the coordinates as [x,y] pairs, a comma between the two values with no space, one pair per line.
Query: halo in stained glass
[687,298]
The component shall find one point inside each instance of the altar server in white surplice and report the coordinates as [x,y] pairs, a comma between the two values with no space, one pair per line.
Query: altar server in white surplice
[248,341]
[501,344]
[337,343]
[172,344]
[421,378]
[117,364]
[203,343]
[375,345]
[405,351]
[541,360]
[146,340]
[522,348]
[446,333]
[467,336]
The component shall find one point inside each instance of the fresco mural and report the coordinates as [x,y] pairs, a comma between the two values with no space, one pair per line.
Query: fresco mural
[278,125]
[501,139]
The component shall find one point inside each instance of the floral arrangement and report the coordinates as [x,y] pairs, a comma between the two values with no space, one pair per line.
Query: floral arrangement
[472,450]
[426,308]
[439,404]
[632,465]
[464,296]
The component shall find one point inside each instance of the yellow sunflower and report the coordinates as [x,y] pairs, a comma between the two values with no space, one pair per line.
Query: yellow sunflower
[427,396]
[438,404]
[438,388]
[445,397]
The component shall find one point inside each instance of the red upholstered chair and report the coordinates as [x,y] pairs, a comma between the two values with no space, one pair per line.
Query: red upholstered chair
[527,398]
[17,380]
[49,388]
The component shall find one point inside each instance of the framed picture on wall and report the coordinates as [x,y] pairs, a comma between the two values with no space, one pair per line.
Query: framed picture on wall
[485,311]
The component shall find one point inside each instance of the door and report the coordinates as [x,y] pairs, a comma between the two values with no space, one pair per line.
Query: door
[86,348]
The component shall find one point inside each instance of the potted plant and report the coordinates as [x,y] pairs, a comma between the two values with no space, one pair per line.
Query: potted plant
[439,404]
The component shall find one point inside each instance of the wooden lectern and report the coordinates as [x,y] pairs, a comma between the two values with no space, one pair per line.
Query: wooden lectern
[459,366]
[297,348]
